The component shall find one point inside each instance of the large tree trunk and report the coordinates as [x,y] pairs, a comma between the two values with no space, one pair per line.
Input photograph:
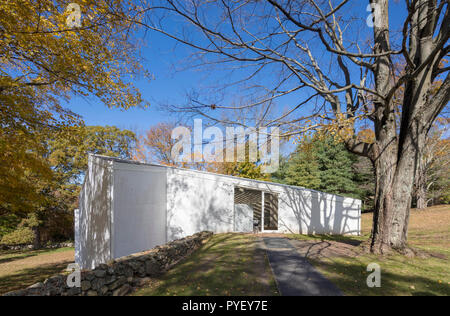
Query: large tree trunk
[421,198]
[396,160]
[398,148]
[421,188]
[394,187]
[37,237]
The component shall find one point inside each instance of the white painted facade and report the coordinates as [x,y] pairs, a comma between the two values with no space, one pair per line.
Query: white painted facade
[128,207]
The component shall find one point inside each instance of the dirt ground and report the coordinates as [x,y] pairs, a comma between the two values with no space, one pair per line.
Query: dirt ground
[13,265]
[432,218]
[326,248]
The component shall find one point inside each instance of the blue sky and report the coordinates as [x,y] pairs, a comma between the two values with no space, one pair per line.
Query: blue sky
[169,86]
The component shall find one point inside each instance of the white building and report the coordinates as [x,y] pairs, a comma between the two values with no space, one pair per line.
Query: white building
[128,207]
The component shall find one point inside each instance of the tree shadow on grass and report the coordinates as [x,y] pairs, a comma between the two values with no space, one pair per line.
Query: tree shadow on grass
[226,265]
[11,255]
[214,242]
[351,278]
[27,277]
[350,240]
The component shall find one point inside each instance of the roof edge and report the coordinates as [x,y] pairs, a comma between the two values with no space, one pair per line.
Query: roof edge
[134,162]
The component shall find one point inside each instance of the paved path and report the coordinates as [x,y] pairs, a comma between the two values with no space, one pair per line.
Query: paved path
[295,276]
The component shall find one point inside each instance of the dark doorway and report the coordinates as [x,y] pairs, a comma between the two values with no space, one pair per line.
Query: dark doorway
[249,208]
[270,211]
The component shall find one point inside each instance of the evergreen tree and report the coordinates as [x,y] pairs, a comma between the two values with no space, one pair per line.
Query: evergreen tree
[364,178]
[335,166]
[303,168]
[321,163]
[280,175]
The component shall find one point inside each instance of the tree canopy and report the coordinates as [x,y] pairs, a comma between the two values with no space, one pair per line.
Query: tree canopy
[45,59]
[339,66]
[65,158]
[322,163]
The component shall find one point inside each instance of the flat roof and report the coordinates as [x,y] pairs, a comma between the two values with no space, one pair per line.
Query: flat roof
[134,162]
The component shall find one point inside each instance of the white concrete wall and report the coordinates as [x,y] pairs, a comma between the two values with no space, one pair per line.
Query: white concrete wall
[305,211]
[197,201]
[93,239]
[76,221]
[139,208]
[127,208]
[243,218]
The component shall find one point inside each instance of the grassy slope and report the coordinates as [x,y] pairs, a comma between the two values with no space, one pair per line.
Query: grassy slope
[229,264]
[19,269]
[429,230]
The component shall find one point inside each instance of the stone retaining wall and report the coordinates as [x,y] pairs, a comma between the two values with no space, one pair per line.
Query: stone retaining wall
[31,247]
[119,277]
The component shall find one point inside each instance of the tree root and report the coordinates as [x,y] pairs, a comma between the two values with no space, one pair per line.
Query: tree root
[386,250]
[410,252]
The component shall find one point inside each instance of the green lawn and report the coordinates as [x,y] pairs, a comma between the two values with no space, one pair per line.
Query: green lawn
[228,264]
[233,264]
[429,231]
[399,275]
[20,269]
[13,255]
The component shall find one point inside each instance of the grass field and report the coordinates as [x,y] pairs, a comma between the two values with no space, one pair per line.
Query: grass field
[233,264]
[229,264]
[19,269]
[429,231]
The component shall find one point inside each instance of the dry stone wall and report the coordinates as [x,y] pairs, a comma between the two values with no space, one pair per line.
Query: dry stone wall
[30,247]
[119,277]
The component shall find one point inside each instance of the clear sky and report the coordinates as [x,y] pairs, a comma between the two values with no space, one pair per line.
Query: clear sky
[166,86]
[169,86]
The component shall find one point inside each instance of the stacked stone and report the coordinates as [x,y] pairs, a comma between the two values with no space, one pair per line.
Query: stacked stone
[119,277]
[30,247]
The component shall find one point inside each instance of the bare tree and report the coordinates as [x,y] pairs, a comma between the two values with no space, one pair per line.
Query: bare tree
[342,75]
[433,164]
[156,145]
[438,181]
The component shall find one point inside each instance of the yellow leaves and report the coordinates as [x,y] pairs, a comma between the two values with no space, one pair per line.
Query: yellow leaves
[42,62]
[20,162]
[366,136]
[69,57]
[342,127]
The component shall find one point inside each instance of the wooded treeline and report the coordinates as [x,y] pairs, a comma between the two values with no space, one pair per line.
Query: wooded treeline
[376,89]
[44,62]
[42,210]
[321,162]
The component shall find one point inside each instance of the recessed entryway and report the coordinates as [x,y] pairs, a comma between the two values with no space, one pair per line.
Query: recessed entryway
[255,210]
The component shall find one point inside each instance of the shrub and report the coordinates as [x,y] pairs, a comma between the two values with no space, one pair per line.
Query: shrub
[8,223]
[22,235]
